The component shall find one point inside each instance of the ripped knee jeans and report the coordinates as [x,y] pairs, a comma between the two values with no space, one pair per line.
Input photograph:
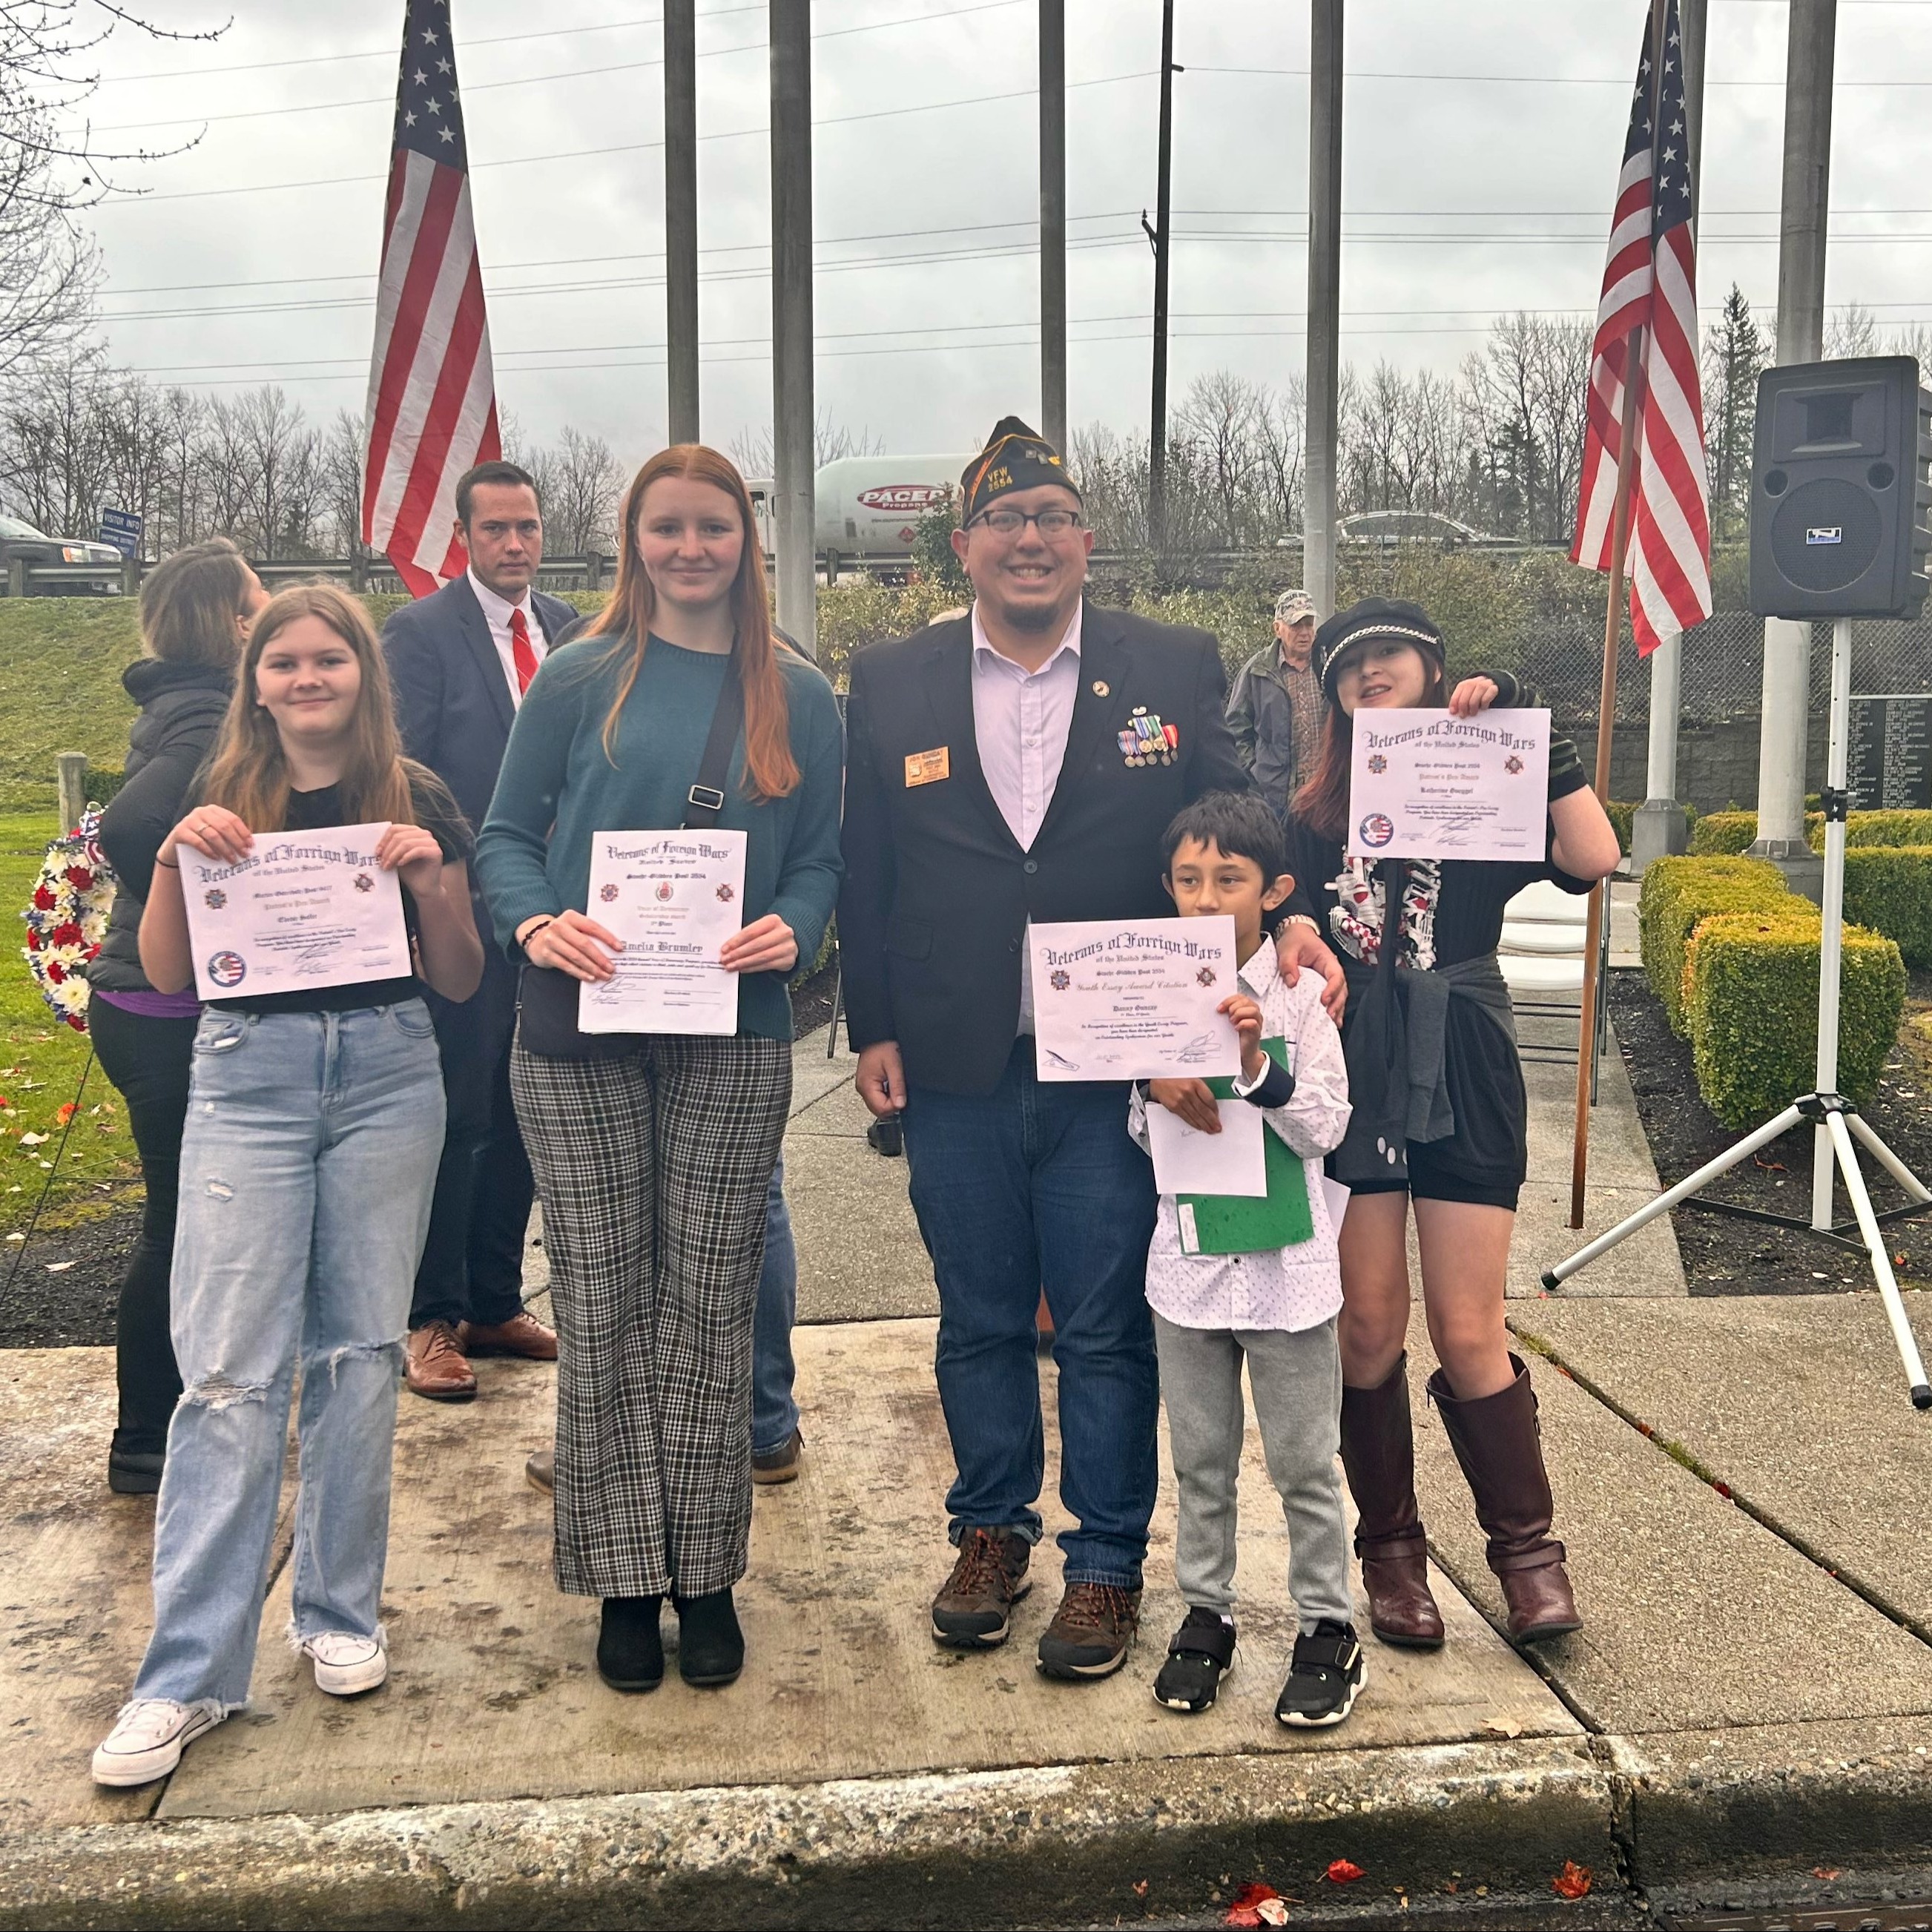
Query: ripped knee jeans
[308,1162]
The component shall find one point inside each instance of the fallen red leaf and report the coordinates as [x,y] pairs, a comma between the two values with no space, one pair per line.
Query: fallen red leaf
[64,1113]
[1827,1873]
[1343,1871]
[1572,1882]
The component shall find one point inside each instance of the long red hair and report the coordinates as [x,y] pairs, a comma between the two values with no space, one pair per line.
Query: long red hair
[770,770]
[1322,802]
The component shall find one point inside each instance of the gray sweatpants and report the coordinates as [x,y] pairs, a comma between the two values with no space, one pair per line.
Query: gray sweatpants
[1297,1379]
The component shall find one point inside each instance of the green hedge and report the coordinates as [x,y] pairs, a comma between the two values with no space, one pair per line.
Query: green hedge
[1678,893]
[1889,889]
[1732,832]
[1752,1009]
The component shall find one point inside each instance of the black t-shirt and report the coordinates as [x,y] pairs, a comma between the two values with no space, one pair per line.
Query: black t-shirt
[436,812]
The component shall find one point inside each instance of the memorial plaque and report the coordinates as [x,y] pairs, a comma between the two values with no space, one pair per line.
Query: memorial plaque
[1889,768]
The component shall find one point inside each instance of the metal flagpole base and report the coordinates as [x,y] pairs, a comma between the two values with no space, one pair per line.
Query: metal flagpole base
[1836,1116]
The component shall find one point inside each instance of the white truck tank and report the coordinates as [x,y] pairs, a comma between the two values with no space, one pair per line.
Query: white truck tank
[871,505]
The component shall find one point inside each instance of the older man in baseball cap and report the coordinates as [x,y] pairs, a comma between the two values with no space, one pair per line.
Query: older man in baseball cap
[1275,710]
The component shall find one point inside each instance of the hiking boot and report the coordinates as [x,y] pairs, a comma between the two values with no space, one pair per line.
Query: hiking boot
[1198,1654]
[433,1364]
[971,1611]
[770,1466]
[1327,1671]
[1091,1632]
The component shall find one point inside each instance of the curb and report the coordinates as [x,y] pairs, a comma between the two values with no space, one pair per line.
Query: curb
[1069,1845]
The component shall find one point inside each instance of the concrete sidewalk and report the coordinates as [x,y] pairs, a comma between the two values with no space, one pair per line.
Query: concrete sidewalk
[1742,1485]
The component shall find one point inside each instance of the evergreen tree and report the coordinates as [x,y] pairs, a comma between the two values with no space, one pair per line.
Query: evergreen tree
[1735,353]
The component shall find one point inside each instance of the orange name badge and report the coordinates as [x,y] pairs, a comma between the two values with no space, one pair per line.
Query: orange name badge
[928,767]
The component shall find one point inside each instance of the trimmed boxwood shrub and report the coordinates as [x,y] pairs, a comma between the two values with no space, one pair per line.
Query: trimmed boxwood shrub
[1677,893]
[1889,889]
[1751,1009]
[1732,832]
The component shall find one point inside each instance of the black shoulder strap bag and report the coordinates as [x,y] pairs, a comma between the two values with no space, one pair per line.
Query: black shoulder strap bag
[546,995]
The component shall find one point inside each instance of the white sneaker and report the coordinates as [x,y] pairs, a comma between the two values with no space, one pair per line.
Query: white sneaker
[148,1739]
[345,1664]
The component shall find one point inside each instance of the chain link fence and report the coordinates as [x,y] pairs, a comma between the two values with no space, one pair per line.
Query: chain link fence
[1723,668]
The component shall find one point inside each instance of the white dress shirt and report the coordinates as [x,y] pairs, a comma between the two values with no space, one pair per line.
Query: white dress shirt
[1283,1288]
[496,614]
[1021,719]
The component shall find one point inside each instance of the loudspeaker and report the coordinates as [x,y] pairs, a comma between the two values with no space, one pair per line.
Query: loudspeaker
[1839,491]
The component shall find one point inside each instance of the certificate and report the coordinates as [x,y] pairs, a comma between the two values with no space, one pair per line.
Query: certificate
[1425,785]
[674,898]
[304,909]
[1134,999]
[1187,1161]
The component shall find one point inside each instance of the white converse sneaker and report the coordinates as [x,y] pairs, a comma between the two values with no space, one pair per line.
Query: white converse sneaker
[345,1664]
[148,1739]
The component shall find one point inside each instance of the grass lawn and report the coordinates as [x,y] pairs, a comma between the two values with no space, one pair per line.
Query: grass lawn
[60,662]
[40,1063]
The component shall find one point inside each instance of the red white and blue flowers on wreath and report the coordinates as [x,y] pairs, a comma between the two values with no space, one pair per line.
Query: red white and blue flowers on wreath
[66,919]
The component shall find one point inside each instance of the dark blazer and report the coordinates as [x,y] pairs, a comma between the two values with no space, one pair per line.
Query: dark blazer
[452,699]
[937,891]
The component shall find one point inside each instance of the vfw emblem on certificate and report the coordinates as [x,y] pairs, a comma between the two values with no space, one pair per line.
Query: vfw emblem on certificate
[664,889]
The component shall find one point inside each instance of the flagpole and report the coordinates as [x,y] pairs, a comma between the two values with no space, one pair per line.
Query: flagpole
[1606,703]
[1606,714]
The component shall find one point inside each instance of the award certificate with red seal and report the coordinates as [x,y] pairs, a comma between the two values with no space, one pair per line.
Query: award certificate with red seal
[1425,785]
[674,898]
[1133,999]
[304,909]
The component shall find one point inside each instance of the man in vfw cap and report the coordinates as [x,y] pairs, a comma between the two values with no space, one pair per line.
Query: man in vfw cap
[1019,762]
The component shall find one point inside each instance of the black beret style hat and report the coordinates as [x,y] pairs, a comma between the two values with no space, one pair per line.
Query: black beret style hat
[1015,458]
[1373,617]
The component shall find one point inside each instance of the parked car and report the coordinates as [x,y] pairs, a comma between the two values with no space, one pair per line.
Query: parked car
[1386,527]
[35,547]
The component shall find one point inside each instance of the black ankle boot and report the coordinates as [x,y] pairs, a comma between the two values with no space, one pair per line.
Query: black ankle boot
[630,1652]
[710,1645]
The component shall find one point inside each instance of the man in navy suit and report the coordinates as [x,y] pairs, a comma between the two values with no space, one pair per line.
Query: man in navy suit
[459,661]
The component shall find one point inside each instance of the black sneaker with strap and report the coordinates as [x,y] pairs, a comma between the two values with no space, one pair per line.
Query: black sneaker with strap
[1198,1655]
[970,1612]
[1323,1680]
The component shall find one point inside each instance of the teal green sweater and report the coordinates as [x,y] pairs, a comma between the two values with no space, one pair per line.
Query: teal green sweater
[557,789]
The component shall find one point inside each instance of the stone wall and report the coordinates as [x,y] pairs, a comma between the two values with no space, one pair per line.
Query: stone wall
[1717,764]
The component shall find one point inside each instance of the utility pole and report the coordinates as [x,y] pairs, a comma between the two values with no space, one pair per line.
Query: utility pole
[1801,338]
[680,79]
[793,456]
[1158,235]
[1657,828]
[1325,304]
[1053,222]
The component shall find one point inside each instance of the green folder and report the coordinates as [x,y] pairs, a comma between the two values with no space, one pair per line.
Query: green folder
[1242,1224]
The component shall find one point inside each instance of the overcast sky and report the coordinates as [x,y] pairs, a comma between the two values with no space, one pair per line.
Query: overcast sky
[1478,135]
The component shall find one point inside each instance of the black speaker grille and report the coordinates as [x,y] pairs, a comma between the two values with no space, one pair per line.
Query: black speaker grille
[1825,534]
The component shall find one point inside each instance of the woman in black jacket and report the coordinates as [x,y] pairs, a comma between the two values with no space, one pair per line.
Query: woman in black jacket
[196,608]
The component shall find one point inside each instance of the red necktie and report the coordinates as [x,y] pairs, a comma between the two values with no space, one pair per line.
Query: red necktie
[524,658]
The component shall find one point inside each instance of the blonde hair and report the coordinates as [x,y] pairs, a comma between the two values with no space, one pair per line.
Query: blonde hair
[249,772]
[189,602]
[770,769]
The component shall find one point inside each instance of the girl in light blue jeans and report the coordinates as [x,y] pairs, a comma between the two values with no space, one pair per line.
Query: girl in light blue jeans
[315,1123]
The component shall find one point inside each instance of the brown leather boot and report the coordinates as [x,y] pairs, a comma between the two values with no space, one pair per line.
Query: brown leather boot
[1498,1442]
[1378,1453]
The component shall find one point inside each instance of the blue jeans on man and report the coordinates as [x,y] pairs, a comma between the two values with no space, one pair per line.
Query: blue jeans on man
[774,1412]
[1035,1186]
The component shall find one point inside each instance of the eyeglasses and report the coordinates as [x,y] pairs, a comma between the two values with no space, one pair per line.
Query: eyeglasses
[1010,522]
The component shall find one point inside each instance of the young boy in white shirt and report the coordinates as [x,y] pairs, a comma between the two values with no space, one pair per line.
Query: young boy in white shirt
[1218,1300]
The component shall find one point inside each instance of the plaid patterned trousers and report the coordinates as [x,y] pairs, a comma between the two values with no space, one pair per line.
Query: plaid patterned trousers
[653,1169]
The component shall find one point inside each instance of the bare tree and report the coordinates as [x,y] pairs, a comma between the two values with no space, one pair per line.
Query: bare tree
[341,457]
[751,450]
[580,482]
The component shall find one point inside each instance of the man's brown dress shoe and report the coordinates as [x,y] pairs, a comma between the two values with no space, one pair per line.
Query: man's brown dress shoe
[522,1335]
[433,1364]
[540,1471]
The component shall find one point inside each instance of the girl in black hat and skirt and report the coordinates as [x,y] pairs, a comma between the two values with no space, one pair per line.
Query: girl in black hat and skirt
[1439,1120]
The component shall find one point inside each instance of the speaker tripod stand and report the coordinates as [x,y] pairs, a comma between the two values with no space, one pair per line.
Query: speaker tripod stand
[1837,1122]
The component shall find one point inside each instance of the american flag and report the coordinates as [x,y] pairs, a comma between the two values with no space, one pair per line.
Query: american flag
[1651,282]
[432,391]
